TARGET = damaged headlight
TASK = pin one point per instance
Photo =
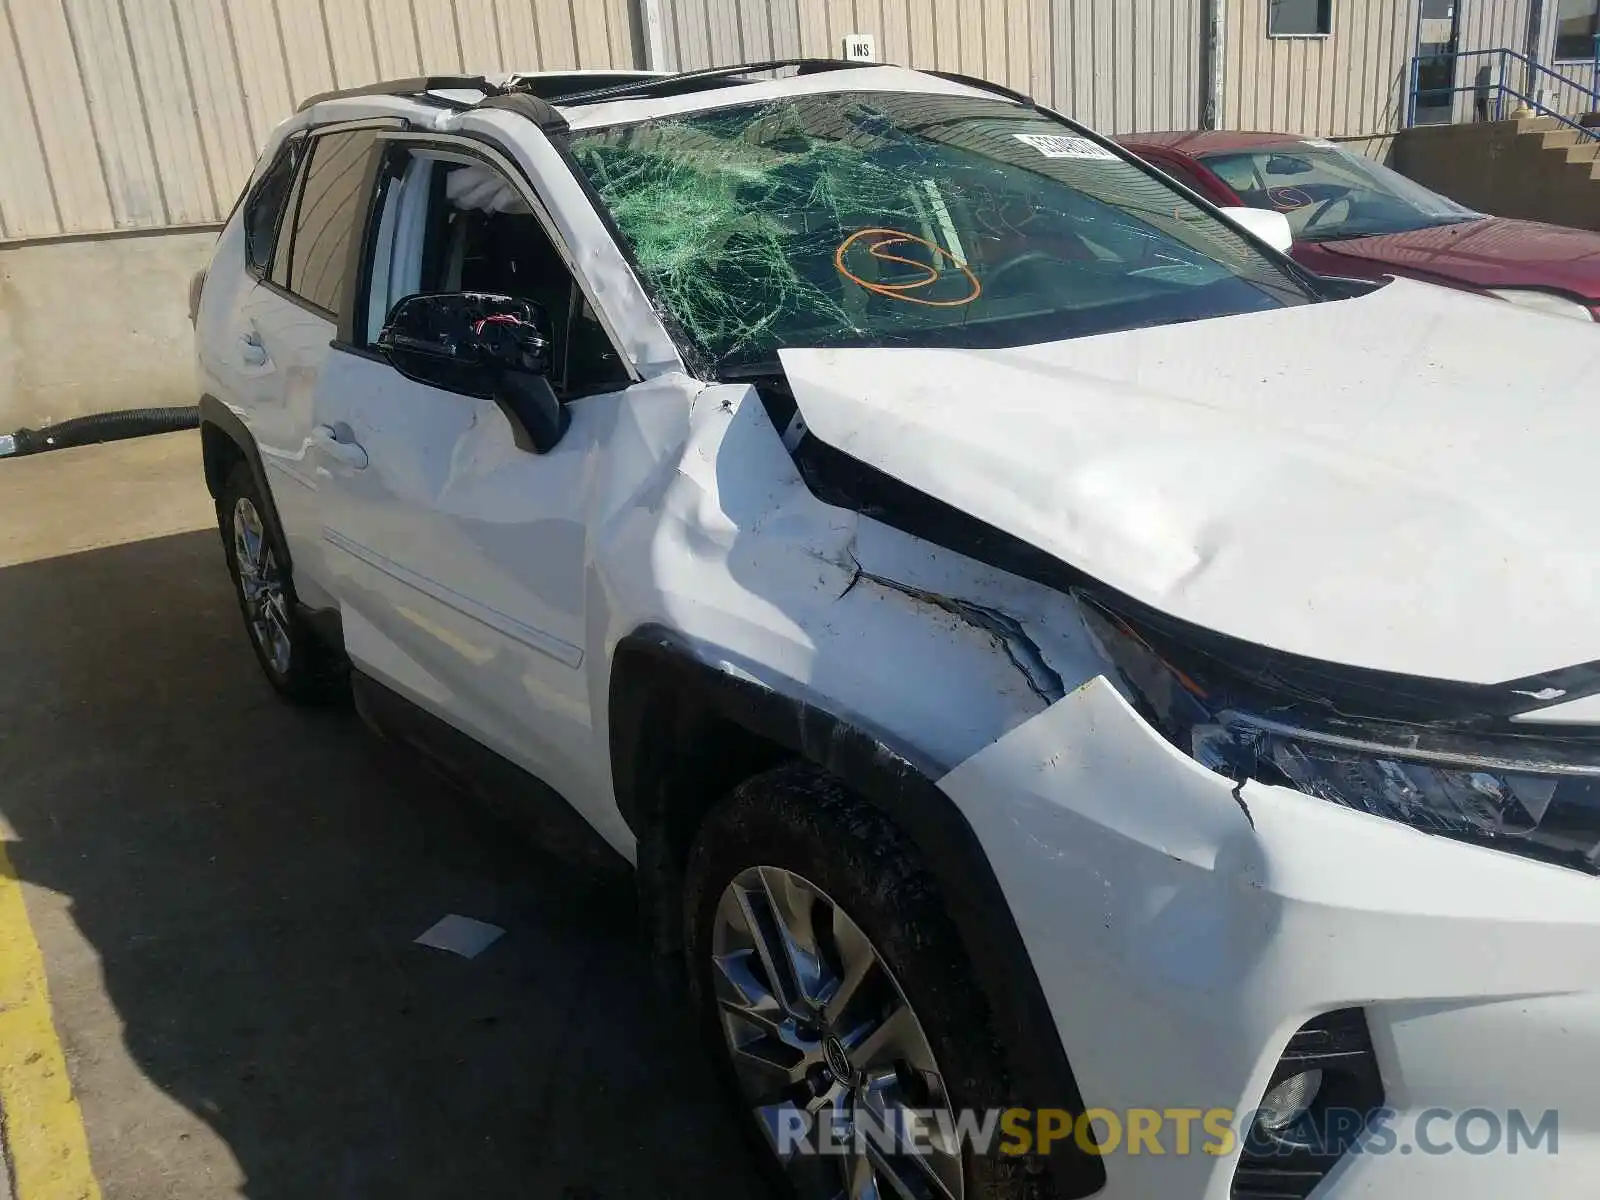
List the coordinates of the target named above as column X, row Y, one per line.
column 1520, row 806
column 1492, row 788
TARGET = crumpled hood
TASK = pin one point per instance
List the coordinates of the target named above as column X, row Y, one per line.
column 1407, row 481
column 1493, row 252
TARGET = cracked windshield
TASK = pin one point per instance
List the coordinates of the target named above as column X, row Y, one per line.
column 893, row 219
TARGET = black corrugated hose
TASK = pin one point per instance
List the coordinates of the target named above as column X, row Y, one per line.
column 99, row 427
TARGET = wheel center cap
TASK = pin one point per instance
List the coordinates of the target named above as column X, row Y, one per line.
column 839, row 1065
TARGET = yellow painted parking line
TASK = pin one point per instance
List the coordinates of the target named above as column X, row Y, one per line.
column 43, row 1125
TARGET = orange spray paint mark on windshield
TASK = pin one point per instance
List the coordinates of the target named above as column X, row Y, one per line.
column 902, row 291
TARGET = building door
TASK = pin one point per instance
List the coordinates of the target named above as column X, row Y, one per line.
column 1438, row 43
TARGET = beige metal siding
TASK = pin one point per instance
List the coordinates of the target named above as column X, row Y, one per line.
column 1574, row 97
column 1577, row 95
column 1120, row 65
column 1129, row 66
column 1355, row 81
column 1350, row 83
column 1492, row 25
column 132, row 114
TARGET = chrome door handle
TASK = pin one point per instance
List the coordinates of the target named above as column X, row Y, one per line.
column 338, row 444
column 251, row 352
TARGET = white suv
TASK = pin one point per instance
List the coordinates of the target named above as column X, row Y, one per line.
column 1091, row 705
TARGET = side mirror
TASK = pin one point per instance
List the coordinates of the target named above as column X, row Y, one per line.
column 1273, row 228
column 483, row 345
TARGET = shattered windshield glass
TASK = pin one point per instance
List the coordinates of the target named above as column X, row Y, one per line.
column 898, row 219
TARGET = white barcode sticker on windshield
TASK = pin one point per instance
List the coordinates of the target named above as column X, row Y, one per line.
column 1059, row 145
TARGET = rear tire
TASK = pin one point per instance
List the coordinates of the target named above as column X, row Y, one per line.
column 298, row 664
column 842, row 882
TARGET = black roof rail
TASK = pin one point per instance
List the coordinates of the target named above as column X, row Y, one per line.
column 984, row 85
column 538, row 110
column 415, row 88
column 424, row 87
column 555, row 86
column 688, row 81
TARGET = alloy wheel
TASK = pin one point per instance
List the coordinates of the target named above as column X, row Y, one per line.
column 820, row 1034
column 262, row 585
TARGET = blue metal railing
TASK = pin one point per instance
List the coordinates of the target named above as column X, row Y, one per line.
column 1499, row 89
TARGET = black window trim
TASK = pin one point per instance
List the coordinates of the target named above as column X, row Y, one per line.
column 481, row 149
column 248, row 197
column 316, row 310
column 310, row 134
column 283, row 242
column 358, row 277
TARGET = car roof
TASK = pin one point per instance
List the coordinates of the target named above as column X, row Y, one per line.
column 1194, row 143
column 591, row 99
column 462, row 91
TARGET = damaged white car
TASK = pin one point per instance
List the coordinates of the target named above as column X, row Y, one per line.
column 1094, row 708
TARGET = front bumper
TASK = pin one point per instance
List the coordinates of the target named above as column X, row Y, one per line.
column 1182, row 933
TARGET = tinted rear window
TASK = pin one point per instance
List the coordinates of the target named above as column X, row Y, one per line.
column 333, row 204
column 263, row 212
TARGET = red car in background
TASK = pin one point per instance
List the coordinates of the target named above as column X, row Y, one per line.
column 1354, row 217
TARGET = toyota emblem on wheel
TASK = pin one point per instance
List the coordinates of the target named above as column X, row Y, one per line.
column 838, row 1061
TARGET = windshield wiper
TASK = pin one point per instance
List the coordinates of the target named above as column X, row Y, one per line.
column 1350, row 235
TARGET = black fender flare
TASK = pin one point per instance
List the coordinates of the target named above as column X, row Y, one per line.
column 655, row 665
column 218, row 420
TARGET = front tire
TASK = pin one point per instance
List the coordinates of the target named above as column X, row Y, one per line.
column 295, row 662
column 828, row 976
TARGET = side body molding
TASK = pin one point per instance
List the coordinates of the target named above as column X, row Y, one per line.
column 663, row 690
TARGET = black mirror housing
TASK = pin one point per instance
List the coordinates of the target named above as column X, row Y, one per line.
column 496, row 347
column 464, row 340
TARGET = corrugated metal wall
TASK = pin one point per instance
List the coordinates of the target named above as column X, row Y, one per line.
column 128, row 114
column 1120, row 65
column 1348, row 84
column 1353, row 82
column 1127, row 66
column 1491, row 25
column 1574, row 97
column 1577, row 95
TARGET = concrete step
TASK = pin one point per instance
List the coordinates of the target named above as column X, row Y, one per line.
column 1511, row 168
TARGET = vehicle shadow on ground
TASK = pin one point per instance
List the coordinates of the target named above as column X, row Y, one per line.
column 251, row 878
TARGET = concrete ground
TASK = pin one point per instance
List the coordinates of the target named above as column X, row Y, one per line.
column 225, row 891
